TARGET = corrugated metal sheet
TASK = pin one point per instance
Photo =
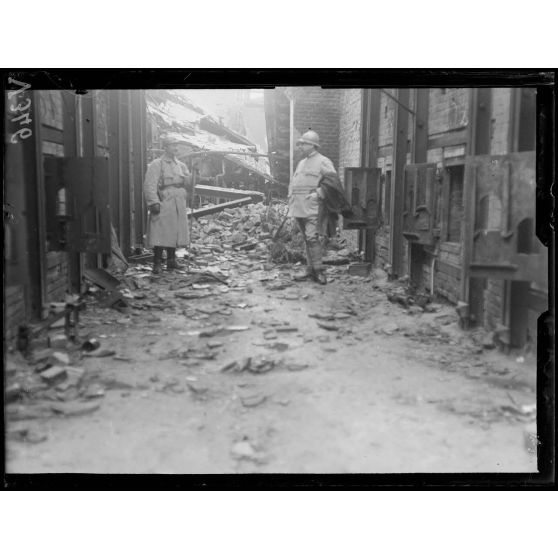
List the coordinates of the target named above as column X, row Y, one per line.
column 185, row 121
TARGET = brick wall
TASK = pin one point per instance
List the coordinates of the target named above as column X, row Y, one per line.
column 350, row 123
column 57, row 276
column 387, row 115
column 14, row 311
column 382, row 247
column 493, row 303
column 448, row 110
column 318, row 109
column 447, row 277
column 500, row 120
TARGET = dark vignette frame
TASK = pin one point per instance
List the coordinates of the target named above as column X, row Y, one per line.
column 81, row 80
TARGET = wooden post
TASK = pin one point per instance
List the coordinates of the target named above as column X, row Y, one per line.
column 480, row 100
column 374, row 98
column 470, row 197
column 70, row 150
column 364, row 132
column 114, row 159
column 139, row 163
column 291, row 138
column 369, row 156
column 400, row 133
column 126, row 183
column 89, row 127
column 35, row 207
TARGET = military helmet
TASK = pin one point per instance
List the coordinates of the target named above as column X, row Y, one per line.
column 310, row 137
column 169, row 139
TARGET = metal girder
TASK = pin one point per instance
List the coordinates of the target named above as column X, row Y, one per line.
column 228, row 193
column 196, row 213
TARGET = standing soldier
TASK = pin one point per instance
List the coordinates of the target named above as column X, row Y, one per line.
column 165, row 186
column 304, row 202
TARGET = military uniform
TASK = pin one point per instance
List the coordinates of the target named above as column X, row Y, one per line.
column 304, row 204
column 165, row 184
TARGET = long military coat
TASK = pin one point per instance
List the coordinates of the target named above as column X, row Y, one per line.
column 165, row 183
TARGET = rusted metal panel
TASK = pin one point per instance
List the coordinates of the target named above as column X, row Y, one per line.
column 362, row 187
column 504, row 244
column 421, row 204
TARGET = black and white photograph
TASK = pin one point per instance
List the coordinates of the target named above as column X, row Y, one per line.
column 283, row 278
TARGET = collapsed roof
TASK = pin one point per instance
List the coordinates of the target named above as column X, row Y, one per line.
column 176, row 113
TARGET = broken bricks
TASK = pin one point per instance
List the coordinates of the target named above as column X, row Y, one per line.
column 54, row 374
column 75, row 409
column 244, row 450
column 255, row 365
column 25, row 434
column 253, row 400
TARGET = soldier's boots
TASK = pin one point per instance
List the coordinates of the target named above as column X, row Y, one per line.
column 315, row 250
column 157, row 259
column 171, row 260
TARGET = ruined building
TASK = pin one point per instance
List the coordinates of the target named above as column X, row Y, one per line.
column 443, row 183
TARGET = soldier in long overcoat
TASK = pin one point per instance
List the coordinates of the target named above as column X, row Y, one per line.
column 165, row 189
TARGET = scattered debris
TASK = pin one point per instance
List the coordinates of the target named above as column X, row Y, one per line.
column 54, row 374
column 296, row 367
column 530, row 438
column 327, row 326
column 278, row 346
column 57, row 341
column 244, row 450
column 488, row 341
column 91, row 345
column 75, row 409
column 17, row 412
column 197, row 388
column 26, row 434
column 390, row 329
column 253, row 400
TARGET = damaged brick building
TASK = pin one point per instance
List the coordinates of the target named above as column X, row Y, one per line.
column 73, row 192
column 75, row 165
column 444, row 179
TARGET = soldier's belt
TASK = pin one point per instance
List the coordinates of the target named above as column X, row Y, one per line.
column 162, row 187
column 303, row 190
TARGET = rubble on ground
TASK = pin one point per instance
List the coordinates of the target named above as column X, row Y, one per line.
column 231, row 252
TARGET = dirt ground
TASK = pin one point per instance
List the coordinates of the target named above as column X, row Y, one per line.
column 315, row 379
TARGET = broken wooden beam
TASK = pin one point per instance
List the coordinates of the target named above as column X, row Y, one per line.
column 228, row 193
column 196, row 213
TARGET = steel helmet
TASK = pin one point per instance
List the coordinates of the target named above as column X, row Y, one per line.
column 169, row 139
column 310, row 137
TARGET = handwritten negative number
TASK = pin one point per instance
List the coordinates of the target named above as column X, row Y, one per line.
column 22, row 118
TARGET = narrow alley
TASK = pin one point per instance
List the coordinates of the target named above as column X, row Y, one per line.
column 296, row 279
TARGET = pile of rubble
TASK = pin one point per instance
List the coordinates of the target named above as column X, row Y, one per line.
column 416, row 301
column 249, row 227
column 49, row 381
